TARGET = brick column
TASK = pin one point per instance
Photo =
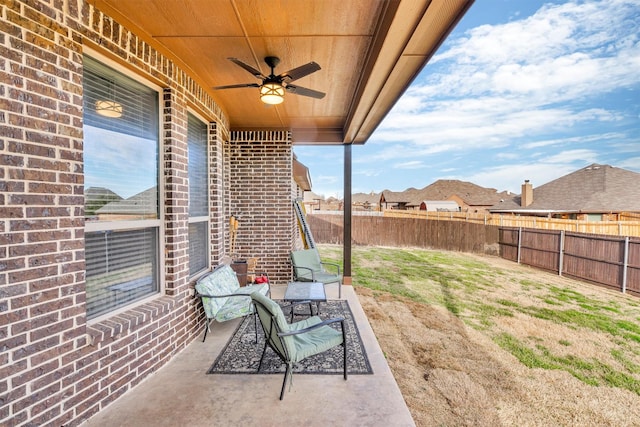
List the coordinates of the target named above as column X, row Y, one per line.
column 260, row 163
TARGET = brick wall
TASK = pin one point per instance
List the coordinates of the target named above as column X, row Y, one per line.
column 55, row 367
column 260, row 170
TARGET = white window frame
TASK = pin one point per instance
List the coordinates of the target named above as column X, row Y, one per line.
column 205, row 218
column 158, row 223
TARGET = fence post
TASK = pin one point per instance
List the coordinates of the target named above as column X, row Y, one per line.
column 561, row 254
column 625, row 264
column 519, row 242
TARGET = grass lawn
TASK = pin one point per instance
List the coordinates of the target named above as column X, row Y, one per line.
column 557, row 333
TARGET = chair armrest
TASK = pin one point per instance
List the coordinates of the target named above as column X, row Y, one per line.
column 295, row 267
column 333, row 264
column 316, row 326
column 199, row 295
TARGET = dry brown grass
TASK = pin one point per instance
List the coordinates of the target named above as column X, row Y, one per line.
column 441, row 336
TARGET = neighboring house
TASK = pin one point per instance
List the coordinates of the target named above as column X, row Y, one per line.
column 97, row 197
column 138, row 206
column 469, row 197
column 365, row 201
column 394, row 200
column 439, row 206
column 595, row 193
column 312, row 201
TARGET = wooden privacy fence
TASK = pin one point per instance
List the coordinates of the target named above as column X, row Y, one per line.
column 385, row 231
column 613, row 262
column 629, row 227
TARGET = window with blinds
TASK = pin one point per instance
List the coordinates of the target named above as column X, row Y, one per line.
column 197, row 136
column 122, row 220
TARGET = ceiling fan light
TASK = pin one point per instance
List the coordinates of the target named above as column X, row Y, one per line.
column 109, row 108
column 272, row 93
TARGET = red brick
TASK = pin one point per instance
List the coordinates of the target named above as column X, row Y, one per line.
column 32, row 323
column 52, row 305
column 28, row 350
column 31, row 299
column 64, row 419
column 50, row 374
column 29, row 375
column 8, row 159
column 46, row 236
column 27, row 199
column 13, row 395
column 55, row 352
column 50, row 329
column 33, row 224
column 50, row 282
column 24, row 250
column 86, row 405
column 34, row 397
column 12, row 264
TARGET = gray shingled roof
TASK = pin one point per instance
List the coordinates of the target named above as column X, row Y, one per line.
column 371, row 198
column 442, row 189
column 145, row 202
column 595, row 188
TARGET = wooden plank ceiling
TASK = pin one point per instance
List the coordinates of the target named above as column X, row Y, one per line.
column 369, row 52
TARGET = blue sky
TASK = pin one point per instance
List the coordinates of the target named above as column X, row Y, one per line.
column 521, row 89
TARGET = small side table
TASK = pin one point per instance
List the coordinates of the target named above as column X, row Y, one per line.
column 306, row 291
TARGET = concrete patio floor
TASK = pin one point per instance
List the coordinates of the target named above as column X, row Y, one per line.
column 181, row 394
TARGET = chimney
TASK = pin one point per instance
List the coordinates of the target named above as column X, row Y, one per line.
column 526, row 198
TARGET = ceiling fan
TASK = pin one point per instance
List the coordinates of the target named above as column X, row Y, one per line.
column 273, row 87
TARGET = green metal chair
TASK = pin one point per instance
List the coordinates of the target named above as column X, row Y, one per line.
column 307, row 267
column 296, row 341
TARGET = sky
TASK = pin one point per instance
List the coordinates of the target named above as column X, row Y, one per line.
column 521, row 89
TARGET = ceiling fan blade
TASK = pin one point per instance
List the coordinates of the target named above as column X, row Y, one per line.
column 298, row 90
column 299, row 72
column 238, row 85
column 247, row 67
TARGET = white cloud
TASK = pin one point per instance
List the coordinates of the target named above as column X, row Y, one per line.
column 632, row 163
column 565, row 157
column 520, row 75
column 327, row 179
column 510, row 177
column 413, row 164
column 535, row 98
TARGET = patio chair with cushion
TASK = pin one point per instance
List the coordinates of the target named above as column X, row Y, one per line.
column 307, row 267
column 224, row 299
column 296, row 341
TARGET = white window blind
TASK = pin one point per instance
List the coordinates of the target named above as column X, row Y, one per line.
column 197, row 136
column 121, row 268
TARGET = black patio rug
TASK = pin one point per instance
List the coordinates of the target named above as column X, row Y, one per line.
column 241, row 355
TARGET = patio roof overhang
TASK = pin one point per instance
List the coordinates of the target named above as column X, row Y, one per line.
column 301, row 175
column 369, row 51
